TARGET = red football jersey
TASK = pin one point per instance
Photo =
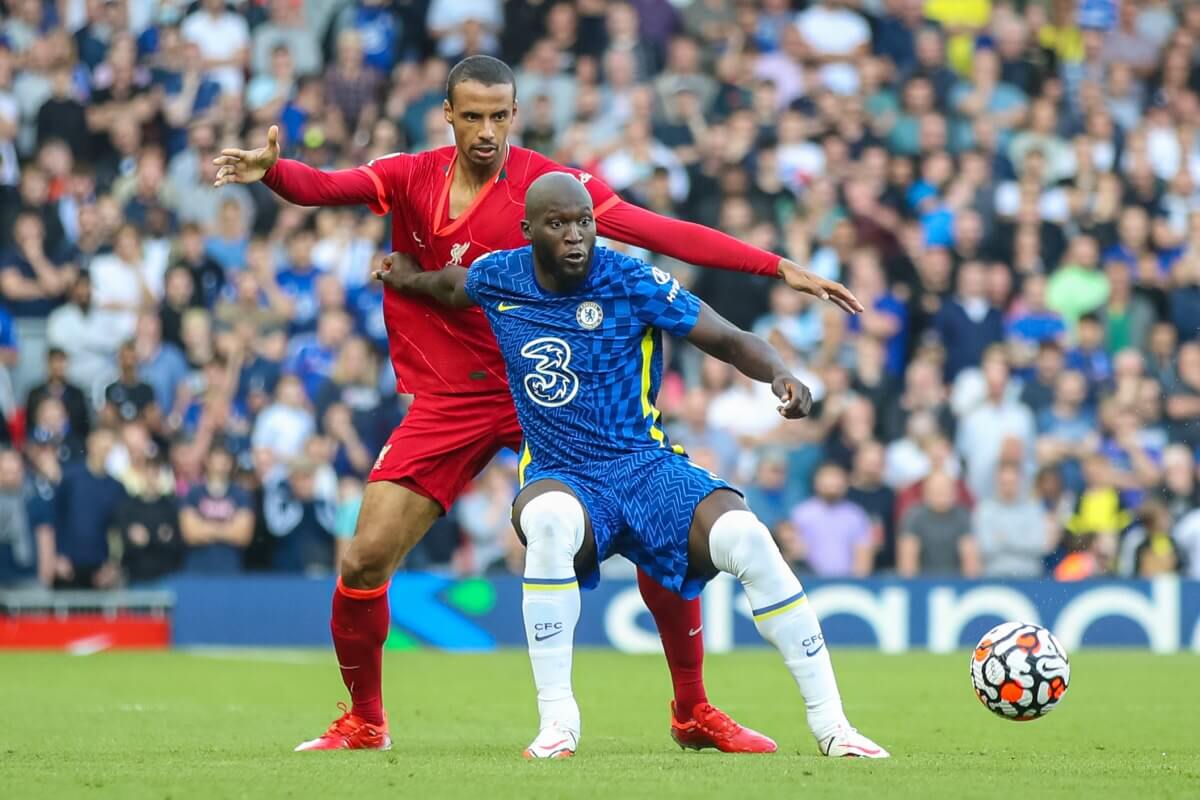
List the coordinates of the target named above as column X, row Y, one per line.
column 435, row 349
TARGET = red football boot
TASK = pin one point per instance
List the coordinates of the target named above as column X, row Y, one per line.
column 349, row 732
column 710, row 727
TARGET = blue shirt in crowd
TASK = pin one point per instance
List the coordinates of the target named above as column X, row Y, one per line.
column 87, row 505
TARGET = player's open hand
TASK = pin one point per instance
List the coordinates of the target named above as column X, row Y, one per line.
column 247, row 166
column 397, row 271
column 794, row 397
column 803, row 280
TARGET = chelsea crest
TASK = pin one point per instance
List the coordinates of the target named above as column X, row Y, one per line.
column 589, row 315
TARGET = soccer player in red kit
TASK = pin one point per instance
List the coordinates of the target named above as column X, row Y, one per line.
column 450, row 206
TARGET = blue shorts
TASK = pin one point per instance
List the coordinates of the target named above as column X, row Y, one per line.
column 641, row 506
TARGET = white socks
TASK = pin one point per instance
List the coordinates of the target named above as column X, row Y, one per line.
column 742, row 546
column 553, row 528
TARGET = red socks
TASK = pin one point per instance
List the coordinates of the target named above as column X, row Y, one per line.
column 360, row 625
column 679, row 623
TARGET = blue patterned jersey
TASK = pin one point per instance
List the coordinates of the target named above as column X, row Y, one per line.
column 584, row 367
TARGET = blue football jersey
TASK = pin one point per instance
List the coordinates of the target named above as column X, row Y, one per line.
column 584, row 368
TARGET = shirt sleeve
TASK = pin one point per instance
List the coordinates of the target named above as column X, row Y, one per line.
column 658, row 300
column 603, row 197
column 373, row 184
column 683, row 241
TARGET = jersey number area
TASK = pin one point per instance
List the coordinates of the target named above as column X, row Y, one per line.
column 552, row 383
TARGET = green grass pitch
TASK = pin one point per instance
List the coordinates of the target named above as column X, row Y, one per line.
column 187, row 725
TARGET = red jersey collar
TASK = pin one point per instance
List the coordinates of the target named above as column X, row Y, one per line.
column 443, row 208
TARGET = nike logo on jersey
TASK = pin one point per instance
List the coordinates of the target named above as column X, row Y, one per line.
column 538, row 637
column 507, row 306
column 694, row 631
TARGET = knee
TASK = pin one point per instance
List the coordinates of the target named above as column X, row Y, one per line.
column 365, row 567
column 735, row 537
column 553, row 523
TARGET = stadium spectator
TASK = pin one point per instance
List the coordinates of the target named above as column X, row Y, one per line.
column 835, row 37
column 1187, row 538
column 1011, row 528
column 130, row 398
column 1185, row 296
column 23, row 527
column 1180, row 489
column 1147, row 548
column 160, row 364
column 286, row 424
column 485, row 517
column 1037, row 391
column 1067, row 429
column 833, row 533
column 216, row 519
column 148, row 519
column 57, row 386
column 1077, row 286
column 302, row 518
column 770, row 493
column 869, row 492
column 968, row 324
column 1032, row 324
column 999, row 421
column 353, row 412
column 312, row 355
column 286, row 28
column 120, row 290
column 1090, row 356
column 223, row 39
column 935, row 536
column 1183, row 397
column 88, row 500
column 32, row 282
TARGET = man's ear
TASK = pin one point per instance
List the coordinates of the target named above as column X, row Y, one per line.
column 526, row 230
column 448, row 111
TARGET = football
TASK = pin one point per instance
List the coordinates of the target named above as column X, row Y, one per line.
column 1020, row 671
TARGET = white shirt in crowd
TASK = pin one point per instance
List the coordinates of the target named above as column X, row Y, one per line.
column 980, row 436
column 219, row 37
column 1187, row 537
column 283, row 430
column 115, row 282
column 835, row 31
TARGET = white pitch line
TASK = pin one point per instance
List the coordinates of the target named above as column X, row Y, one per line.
column 260, row 655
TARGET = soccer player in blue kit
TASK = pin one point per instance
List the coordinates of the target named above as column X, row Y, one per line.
column 580, row 329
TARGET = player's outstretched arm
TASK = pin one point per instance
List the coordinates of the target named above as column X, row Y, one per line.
column 753, row 357
column 697, row 244
column 294, row 181
column 446, row 285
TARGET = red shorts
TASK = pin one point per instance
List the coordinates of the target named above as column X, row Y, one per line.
column 445, row 441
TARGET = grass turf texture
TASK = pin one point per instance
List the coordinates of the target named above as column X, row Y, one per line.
column 222, row 725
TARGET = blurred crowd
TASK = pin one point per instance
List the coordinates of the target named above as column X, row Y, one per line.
column 196, row 379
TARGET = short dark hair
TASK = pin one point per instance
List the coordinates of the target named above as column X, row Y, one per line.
column 481, row 69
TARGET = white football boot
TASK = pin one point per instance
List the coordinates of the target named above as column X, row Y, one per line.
column 553, row 741
column 849, row 743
